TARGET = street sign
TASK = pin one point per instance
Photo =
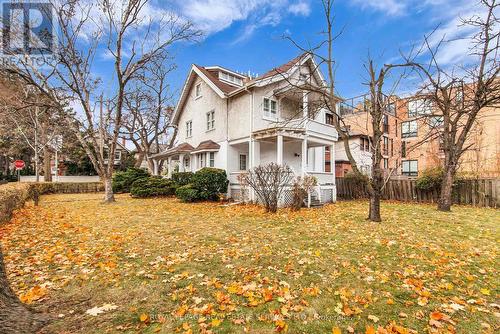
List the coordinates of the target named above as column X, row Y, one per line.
column 19, row 164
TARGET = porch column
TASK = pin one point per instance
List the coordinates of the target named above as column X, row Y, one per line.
column 169, row 164
column 181, row 163
column 279, row 150
column 155, row 167
column 254, row 153
column 305, row 103
column 332, row 161
column 304, row 156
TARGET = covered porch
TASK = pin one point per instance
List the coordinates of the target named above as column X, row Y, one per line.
column 305, row 154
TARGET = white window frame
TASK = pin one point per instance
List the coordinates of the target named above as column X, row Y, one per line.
column 119, row 152
column 197, row 91
column 268, row 111
column 239, row 161
column 211, row 159
column 201, row 160
column 210, row 120
column 187, row 163
column 189, row 129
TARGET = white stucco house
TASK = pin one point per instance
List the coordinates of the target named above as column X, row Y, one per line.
column 232, row 121
column 359, row 145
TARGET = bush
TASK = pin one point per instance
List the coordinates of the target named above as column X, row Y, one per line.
column 210, row 183
column 151, row 187
column 182, row 178
column 359, row 184
column 430, row 179
column 187, row 193
column 122, row 181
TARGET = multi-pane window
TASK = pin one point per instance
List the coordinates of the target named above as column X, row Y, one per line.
column 186, row 163
column 386, row 146
column 201, row 160
column 243, row 162
column 391, row 108
column 403, row 149
column 189, row 129
column 419, row 107
column 198, row 90
column 409, row 167
column 270, row 107
column 230, row 78
column 409, row 129
column 436, row 121
column 211, row 120
column 385, row 162
column 385, row 120
column 211, row 159
column 329, row 119
column 364, row 144
column 118, row 155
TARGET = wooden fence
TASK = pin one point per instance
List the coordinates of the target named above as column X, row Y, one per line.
column 478, row 192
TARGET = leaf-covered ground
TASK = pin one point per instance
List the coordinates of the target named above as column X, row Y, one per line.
column 160, row 266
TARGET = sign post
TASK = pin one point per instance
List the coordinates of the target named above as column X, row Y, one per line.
column 19, row 164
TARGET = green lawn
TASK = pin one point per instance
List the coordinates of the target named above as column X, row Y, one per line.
column 160, row 266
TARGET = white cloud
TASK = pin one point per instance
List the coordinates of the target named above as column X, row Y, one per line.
column 212, row 16
column 300, row 8
column 390, row 7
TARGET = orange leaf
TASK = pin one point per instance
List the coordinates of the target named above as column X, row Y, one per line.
column 370, row 330
column 336, row 330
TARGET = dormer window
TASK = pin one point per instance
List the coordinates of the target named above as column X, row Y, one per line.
column 230, row 78
column 197, row 91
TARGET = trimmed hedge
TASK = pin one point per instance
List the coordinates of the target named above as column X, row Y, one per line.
column 12, row 197
column 187, row 193
column 122, row 181
column 182, row 178
column 152, row 186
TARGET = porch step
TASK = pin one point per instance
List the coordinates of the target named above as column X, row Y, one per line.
column 315, row 202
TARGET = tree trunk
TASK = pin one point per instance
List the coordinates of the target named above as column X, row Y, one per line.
column 374, row 213
column 140, row 158
column 15, row 317
column 109, row 196
column 47, row 172
column 444, row 203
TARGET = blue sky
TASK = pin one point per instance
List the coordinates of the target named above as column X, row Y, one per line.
column 246, row 35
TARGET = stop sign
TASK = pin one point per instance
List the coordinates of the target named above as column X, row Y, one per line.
column 19, row 164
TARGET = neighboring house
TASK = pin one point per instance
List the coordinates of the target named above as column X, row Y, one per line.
column 357, row 119
column 359, row 146
column 232, row 121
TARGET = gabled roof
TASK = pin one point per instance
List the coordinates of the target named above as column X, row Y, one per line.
column 226, row 88
column 283, row 68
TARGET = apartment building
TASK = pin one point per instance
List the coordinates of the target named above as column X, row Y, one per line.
column 411, row 141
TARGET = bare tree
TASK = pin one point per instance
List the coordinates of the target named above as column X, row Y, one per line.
column 375, row 104
column 24, row 109
column 147, row 113
column 269, row 182
column 459, row 94
column 131, row 39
